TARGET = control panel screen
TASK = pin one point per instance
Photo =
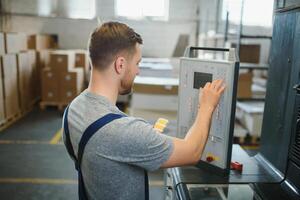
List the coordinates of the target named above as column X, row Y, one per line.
column 200, row 79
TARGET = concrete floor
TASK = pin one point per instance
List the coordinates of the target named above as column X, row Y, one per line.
column 34, row 163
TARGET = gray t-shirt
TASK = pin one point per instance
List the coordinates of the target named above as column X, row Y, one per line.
column 115, row 158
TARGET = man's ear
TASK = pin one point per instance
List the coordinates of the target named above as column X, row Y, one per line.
column 120, row 65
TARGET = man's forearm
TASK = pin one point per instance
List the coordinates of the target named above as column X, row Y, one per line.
column 189, row 150
column 198, row 133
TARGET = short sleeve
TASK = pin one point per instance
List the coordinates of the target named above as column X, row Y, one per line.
column 135, row 142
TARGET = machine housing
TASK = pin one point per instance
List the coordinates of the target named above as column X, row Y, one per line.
column 194, row 74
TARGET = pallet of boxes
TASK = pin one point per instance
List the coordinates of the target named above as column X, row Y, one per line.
column 250, row 104
column 82, row 61
column 42, row 44
column 18, row 76
column 61, row 80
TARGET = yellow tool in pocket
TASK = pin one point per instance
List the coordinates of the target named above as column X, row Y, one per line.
column 161, row 124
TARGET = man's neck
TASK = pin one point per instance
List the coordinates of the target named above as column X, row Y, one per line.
column 101, row 85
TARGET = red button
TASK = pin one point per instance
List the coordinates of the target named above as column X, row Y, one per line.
column 209, row 159
column 236, row 166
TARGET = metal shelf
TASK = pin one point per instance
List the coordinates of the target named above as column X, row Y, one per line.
column 261, row 66
column 251, row 99
column 256, row 36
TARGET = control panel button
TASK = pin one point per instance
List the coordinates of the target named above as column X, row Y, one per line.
column 209, row 159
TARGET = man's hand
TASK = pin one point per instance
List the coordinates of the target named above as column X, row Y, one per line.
column 188, row 151
column 210, row 95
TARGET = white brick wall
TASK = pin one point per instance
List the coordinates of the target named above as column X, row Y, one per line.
column 159, row 37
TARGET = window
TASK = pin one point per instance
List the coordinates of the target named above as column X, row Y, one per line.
column 45, row 7
column 255, row 13
column 30, row 7
column 139, row 9
column 78, row 9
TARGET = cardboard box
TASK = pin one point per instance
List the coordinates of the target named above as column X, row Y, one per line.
column 31, row 42
column 249, row 53
column 24, row 71
column 35, row 84
column 50, row 85
column 22, row 42
column 155, row 89
column 250, row 115
column 244, row 85
column 155, row 85
column 81, row 58
column 43, row 58
column 12, row 42
column 62, row 61
column 27, row 79
column 2, row 44
column 82, row 61
column 239, row 130
column 42, row 41
column 15, row 42
column 10, row 85
column 71, row 84
column 2, row 107
column 72, row 78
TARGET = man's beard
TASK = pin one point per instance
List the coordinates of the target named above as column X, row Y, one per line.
column 126, row 87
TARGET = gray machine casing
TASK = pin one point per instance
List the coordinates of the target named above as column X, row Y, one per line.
column 192, row 70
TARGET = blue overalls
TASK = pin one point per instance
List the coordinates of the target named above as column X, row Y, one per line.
column 88, row 133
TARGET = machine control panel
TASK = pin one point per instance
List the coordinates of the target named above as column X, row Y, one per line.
column 194, row 74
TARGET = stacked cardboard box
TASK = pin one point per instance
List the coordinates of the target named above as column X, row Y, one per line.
column 249, row 53
column 61, row 81
column 2, row 107
column 42, row 44
column 27, row 79
column 42, row 60
column 42, row 41
column 34, row 81
column 72, row 85
column 23, row 46
column 11, row 97
column 50, row 85
column 16, row 70
column 250, row 115
column 24, row 71
column 82, row 61
column 244, row 84
column 10, row 45
column 20, row 67
column 2, row 44
column 15, row 42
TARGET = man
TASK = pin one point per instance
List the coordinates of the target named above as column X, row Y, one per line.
column 117, row 155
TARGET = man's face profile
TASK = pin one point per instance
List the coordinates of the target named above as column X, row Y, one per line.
column 132, row 69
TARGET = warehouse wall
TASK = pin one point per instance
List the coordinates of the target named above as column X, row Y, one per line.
column 72, row 33
column 159, row 37
column 208, row 22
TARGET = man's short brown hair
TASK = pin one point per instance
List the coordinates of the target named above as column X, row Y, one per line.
column 110, row 39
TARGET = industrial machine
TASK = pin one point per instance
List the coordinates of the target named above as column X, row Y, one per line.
column 280, row 140
column 194, row 74
column 274, row 173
